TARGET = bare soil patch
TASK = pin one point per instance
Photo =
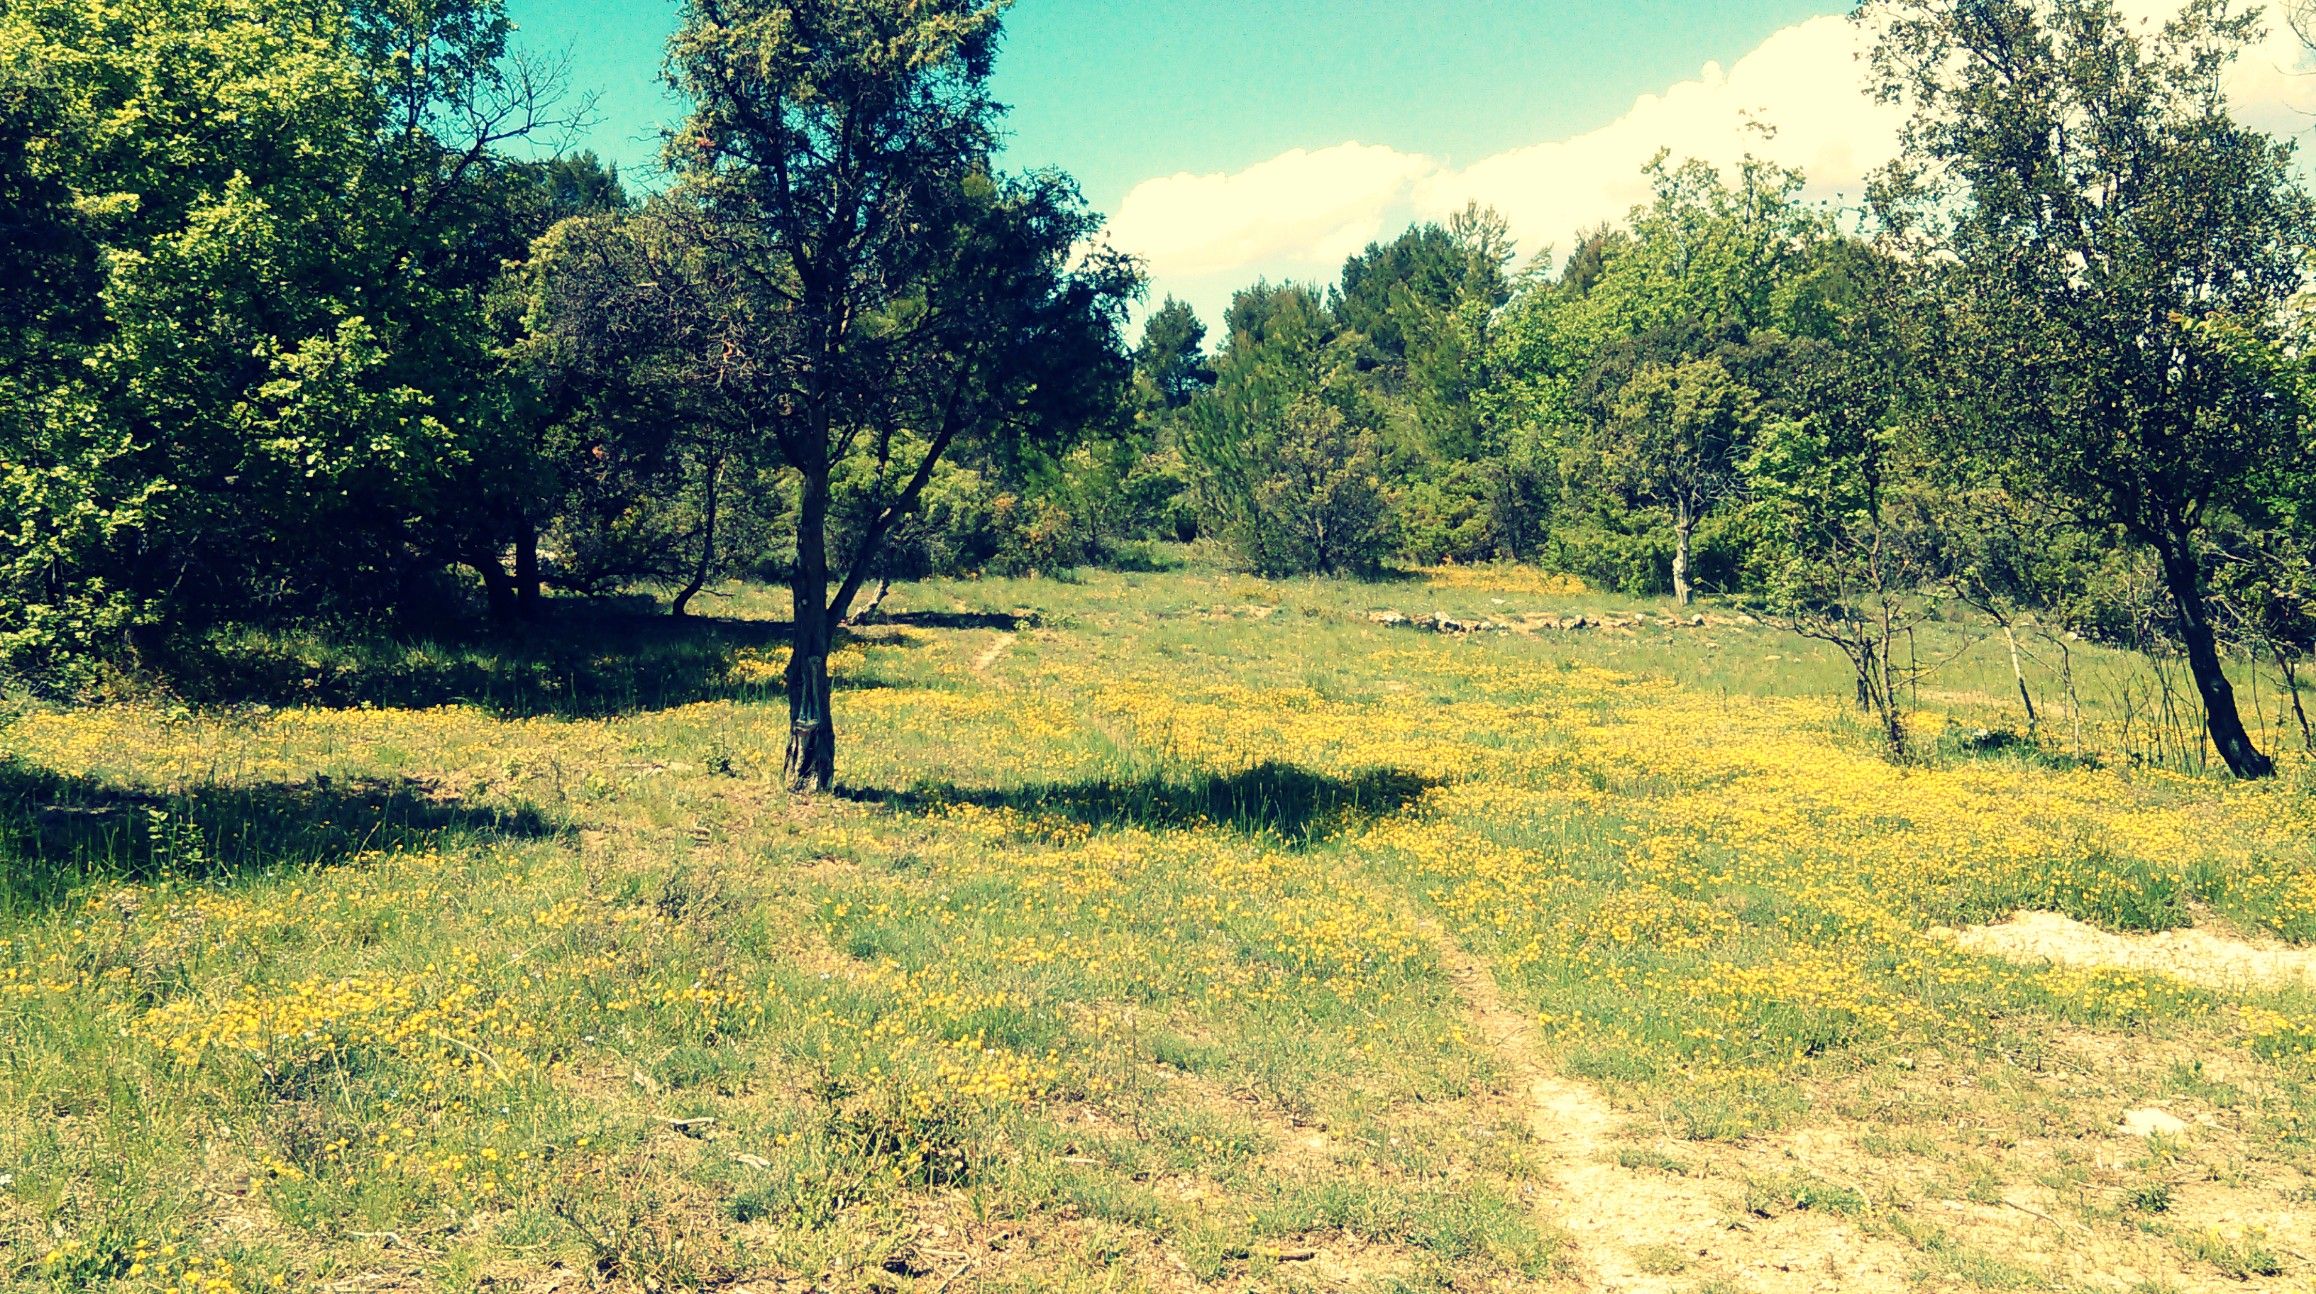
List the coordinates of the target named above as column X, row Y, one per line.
column 2193, row 954
column 1642, row 1232
column 990, row 656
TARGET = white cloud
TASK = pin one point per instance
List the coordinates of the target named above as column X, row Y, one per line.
column 1296, row 205
column 1799, row 99
column 1301, row 213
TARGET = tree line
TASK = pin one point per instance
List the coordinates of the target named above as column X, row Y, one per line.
column 2057, row 364
column 297, row 327
column 303, row 314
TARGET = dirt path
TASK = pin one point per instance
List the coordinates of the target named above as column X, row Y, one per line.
column 1640, row 1231
column 990, row 657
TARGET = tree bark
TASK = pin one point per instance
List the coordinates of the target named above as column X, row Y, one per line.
column 2291, row 670
column 2184, row 579
column 527, row 595
column 498, row 589
column 811, row 762
column 707, row 563
column 1684, row 528
column 2018, row 672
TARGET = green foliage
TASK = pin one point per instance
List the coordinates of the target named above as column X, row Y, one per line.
column 1648, row 363
column 1283, row 474
column 1170, row 362
column 1841, row 553
column 2091, row 208
column 259, row 379
column 878, row 296
column 1314, row 497
column 1399, row 352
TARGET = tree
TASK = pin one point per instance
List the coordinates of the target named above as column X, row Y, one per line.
column 1429, row 270
column 215, row 375
column 1836, row 492
column 1171, row 358
column 1676, row 437
column 1317, row 503
column 56, row 452
column 263, row 368
column 634, row 344
column 1644, row 367
column 1841, row 559
column 1282, row 451
column 1708, row 251
column 895, row 296
column 2094, row 205
column 2264, row 576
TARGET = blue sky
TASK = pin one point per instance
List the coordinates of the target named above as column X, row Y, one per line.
column 1234, row 139
column 1118, row 92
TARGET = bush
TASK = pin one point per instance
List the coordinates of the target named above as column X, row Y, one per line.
column 1632, row 552
column 1449, row 517
column 1310, row 498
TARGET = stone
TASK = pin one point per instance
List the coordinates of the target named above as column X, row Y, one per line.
column 2148, row 1122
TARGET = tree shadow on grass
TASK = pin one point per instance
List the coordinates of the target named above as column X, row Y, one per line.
column 1003, row 621
column 1272, row 799
column 576, row 664
column 59, row 833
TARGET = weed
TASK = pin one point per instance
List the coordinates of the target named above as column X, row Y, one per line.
column 2241, row 1256
column 506, row 955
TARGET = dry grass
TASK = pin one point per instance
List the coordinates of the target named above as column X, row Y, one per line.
column 1174, row 931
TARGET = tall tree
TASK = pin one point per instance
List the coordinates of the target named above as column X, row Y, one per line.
column 2096, row 207
column 265, row 349
column 1648, row 360
column 1281, row 455
column 899, row 295
column 1171, row 357
column 633, row 349
column 1677, row 434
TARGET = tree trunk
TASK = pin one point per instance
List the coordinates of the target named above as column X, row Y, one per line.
column 2291, row 670
column 1886, row 691
column 1877, row 691
column 2018, row 671
column 811, row 727
column 527, row 571
column 2184, row 579
column 498, row 589
column 1684, row 528
column 707, row 563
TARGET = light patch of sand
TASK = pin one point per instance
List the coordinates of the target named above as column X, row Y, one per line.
column 988, row 658
column 2194, row 955
column 1617, row 1216
column 2151, row 1122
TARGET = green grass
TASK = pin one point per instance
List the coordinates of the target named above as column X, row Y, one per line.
column 1116, row 962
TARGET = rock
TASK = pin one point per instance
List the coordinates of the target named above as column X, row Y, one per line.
column 2148, row 1122
column 1697, row 622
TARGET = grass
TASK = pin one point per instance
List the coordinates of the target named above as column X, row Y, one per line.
column 1118, row 962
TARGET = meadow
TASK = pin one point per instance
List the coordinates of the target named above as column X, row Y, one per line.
column 1170, row 930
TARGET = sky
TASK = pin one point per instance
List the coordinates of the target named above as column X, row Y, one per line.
column 1230, row 140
